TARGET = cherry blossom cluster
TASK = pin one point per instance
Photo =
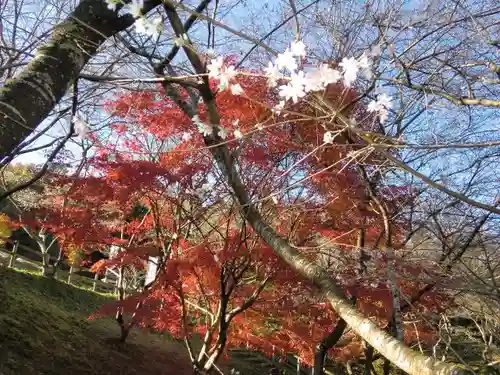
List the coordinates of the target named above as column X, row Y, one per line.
column 381, row 106
column 149, row 27
column 287, row 66
column 300, row 80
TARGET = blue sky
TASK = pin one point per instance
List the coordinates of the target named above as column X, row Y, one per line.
column 257, row 18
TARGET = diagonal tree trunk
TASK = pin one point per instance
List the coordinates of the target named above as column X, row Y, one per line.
column 397, row 352
column 405, row 358
column 28, row 98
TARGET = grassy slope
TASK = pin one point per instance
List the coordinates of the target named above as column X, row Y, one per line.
column 43, row 330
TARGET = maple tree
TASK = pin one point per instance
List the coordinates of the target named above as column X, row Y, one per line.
column 295, row 181
column 154, row 192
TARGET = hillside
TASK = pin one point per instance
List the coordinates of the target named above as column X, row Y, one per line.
column 44, row 330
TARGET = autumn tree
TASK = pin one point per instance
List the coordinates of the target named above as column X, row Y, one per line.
column 153, row 140
column 426, row 77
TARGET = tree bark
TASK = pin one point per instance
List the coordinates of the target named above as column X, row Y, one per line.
column 368, row 359
column 327, row 343
column 28, row 98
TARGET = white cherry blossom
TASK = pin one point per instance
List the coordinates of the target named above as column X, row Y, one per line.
column 329, row 75
column 381, row 107
column 373, row 106
column 186, row 136
column 135, row 8
column 298, row 49
column 140, row 25
column 328, row 137
column 226, row 75
column 149, row 27
column 364, row 62
column 292, row 91
column 238, row 134
column 286, row 60
column 350, row 69
column 314, row 81
column 222, row 132
column 384, row 100
column 365, row 65
column 196, row 119
column 215, row 67
column 319, row 78
column 205, row 129
column 273, row 74
column 81, row 128
column 278, row 107
column 383, row 115
column 112, row 4
column 298, row 79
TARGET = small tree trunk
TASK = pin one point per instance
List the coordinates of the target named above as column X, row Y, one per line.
column 124, row 331
column 55, row 267
column 369, row 358
column 46, row 271
column 327, row 343
column 13, row 254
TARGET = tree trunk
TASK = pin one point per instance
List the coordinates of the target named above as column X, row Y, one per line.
column 368, row 358
column 70, row 274
column 28, row 98
column 96, row 279
column 327, row 343
column 46, row 269
column 396, row 351
column 124, row 331
column 57, row 263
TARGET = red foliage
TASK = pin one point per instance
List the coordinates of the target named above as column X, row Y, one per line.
column 320, row 207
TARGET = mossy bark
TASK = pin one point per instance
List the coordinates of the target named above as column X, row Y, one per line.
column 27, row 99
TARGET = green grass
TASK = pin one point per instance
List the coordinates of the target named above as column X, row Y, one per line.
column 44, row 330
